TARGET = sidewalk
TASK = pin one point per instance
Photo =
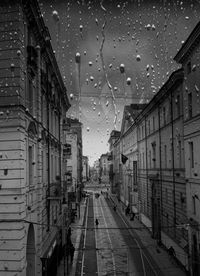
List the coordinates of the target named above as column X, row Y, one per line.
column 75, row 238
column 167, row 264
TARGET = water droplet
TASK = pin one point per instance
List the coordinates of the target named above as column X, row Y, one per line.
column 55, row 15
column 122, row 68
column 128, row 81
column 138, row 57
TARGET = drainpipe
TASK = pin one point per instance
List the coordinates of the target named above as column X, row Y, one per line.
column 173, row 173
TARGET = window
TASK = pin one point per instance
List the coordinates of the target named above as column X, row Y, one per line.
column 194, row 205
column 191, row 154
column 30, row 165
column 150, row 159
column 69, row 175
column 134, row 172
column 154, row 154
column 52, row 171
column 167, row 222
column 182, row 199
column 30, row 95
column 149, row 127
column 139, row 133
column 47, row 165
column 179, row 153
column 190, row 105
column 166, row 195
column 55, row 166
column 189, row 67
column 67, row 151
column 164, row 115
column 178, row 106
column 42, row 166
column 153, row 123
column 165, row 156
column 143, row 160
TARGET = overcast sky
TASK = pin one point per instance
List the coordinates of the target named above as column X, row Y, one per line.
column 141, row 37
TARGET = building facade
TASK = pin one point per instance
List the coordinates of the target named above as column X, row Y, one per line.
column 188, row 56
column 85, row 166
column 104, row 164
column 73, row 161
column 114, row 136
column 33, row 103
column 129, row 156
column 150, row 165
column 161, row 167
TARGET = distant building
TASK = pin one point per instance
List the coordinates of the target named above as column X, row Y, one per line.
column 114, row 136
column 129, row 156
column 33, row 103
column 189, row 56
column 73, row 156
column 96, row 170
column 85, row 166
column 104, row 168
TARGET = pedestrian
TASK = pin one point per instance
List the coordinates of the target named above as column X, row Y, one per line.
column 171, row 251
column 132, row 216
column 72, row 249
column 96, row 222
column 127, row 210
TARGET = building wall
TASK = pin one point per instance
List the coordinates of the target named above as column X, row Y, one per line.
column 72, row 162
column 156, row 141
column 25, row 178
column 12, row 175
column 191, row 107
column 117, row 181
column 104, row 168
column 129, row 149
column 85, row 166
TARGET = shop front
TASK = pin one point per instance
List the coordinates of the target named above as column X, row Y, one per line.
column 51, row 258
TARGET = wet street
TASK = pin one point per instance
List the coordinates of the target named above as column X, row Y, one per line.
column 112, row 247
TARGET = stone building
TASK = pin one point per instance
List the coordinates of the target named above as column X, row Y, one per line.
column 33, row 103
column 161, row 167
column 85, row 165
column 73, row 158
column 189, row 57
column 114, row 136
column 129, row 156
column 150, row 165
column 104, row 168
column 117, row 168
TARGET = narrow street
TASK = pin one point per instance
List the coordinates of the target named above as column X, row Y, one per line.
column 112, row 247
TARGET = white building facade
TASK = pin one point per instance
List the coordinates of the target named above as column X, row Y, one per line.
column 189, row 56
column 32, row 105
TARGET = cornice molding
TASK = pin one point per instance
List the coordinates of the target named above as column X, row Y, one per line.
column 189, row 45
